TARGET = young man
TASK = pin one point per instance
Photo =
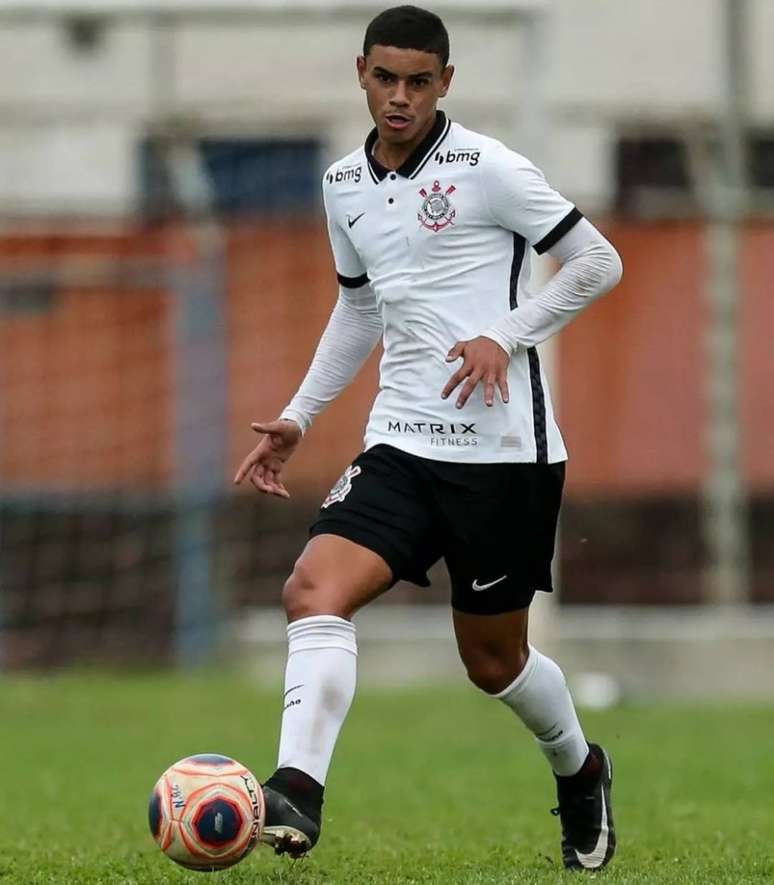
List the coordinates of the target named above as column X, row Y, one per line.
column 430, row 225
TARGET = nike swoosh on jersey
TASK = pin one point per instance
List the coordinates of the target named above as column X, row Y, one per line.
column 351, row 222
column 477, row 586
column 596, row 857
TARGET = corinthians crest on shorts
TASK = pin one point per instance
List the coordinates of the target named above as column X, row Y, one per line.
column 343, row 486
column 436, row 211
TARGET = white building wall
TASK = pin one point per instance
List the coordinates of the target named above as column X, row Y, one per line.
column 39, row 71
column 630, row 58
column 70, row 122
column 56, row 167
column 762, row 61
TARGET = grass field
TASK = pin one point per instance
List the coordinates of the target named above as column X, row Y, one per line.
column 428, row 786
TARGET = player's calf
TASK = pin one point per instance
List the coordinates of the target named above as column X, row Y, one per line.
column 491, row 671
column 493, row 648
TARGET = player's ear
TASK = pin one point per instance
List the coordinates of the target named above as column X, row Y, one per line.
column 446, row 77
column 361, row 65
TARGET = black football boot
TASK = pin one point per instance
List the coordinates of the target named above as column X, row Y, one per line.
column 588, row 832
column 293, row 812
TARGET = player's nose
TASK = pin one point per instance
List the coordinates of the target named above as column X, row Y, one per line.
column 399, row 98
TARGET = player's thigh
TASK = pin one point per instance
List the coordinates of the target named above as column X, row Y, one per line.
column 334, row 576
column 374, row 528
column 500, row 526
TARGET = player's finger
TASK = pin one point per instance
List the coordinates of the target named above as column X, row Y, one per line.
column 489, row 389
column 267, row 426
column 248, row 474
column 502, row 383
column 467, row 388
column 456, row 379
column 264, row 481
column 258, row 475
column 245, row 467
column 272, row 481
column 272, row 477
column 456, row 351
column 280, row 489
column 256, row 478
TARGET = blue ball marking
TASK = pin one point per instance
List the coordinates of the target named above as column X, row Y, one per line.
column 210, row 759
column 218, row 823
column 154, row 813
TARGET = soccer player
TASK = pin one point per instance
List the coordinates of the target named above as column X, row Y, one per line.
column 431, row 226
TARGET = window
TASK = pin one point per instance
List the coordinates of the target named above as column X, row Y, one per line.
column 230, row 175
column 654, row 177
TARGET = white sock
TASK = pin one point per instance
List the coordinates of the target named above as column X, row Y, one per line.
column 319, row 686
column 540, row 698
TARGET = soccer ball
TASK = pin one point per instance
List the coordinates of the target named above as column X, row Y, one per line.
column 206, row 812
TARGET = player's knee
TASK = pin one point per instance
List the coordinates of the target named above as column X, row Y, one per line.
column 304, row 596
column 298, row 594
column 493, row 670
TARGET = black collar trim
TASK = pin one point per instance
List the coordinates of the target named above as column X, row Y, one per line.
column 422, row 153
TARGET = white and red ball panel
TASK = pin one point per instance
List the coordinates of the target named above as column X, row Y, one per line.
column 208, row 764
column 206, row 812
column 160, row 815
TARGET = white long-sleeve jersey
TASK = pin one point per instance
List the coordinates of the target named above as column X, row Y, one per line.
column 437, row 252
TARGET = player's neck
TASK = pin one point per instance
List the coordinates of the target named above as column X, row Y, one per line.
column 393, row 156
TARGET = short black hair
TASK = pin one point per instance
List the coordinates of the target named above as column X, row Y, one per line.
column 409, row 27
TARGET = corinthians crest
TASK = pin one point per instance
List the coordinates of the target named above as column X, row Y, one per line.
column 343, row 486
column 437, row 211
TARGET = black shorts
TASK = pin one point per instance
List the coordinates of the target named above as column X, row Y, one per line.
column 493, row 524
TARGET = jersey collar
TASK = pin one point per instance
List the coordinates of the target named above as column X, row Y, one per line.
column 415, row 163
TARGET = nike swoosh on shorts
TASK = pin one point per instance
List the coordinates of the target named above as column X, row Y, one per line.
column 477, row 586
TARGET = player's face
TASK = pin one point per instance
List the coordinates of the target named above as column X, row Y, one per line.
column 402, row 88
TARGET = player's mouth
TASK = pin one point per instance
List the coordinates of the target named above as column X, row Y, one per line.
column 397, row 122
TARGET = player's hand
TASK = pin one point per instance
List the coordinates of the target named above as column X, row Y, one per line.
column 483, row 360
column 263, row 466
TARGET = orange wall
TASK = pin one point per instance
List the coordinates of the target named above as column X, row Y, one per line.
column 630, row 368
column 757, row 355
column 281, row 291
column 633, row 398
column 85, row 389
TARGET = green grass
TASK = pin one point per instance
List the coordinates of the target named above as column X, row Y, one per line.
column 428, row 786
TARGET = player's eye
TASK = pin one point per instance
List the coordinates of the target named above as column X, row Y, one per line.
column 420, row 82
column 384, row 78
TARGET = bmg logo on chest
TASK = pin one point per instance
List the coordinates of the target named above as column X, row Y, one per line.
column 460, row 155
column 347, row 173
column 437, row 211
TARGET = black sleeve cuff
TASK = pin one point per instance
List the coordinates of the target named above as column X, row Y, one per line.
column 564, row 227
column 352, row 282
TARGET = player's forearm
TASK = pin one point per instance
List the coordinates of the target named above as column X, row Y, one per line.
column 591, row 267
column 353, row 330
